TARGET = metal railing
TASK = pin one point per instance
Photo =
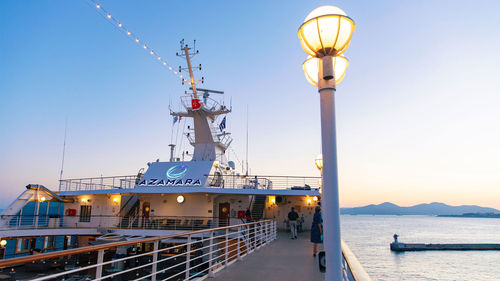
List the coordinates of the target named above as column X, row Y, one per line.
column 264, row 182
column 151, row 222
column 187, row 256
column 220, row 181
column 98, row 183
column 353, row 270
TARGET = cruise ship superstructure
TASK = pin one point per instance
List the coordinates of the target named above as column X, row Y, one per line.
column 178, row 220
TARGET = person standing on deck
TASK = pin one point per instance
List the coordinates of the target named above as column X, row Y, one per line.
column 317, row 230
column 292, row 221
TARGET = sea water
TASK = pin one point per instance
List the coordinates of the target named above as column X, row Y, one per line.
column 369, row 237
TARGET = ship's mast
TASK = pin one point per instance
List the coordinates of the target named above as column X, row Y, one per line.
column 187, row 55
column 188, row 59
column 210, row 141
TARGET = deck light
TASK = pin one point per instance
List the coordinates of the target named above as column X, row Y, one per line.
column 3, row 243
column 324, row 35
column 311, row 69
column 319, row 162
column 326, row 31
column 84, row 200
column 309, row 201
column 180, row 199
column 315, row 198
column 116, row 199
column 43, row 199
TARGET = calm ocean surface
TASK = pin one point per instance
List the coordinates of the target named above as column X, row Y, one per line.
column 369, row 238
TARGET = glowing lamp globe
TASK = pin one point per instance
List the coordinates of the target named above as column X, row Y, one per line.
column 319, row 162
column 312, row 64
column 326, row 31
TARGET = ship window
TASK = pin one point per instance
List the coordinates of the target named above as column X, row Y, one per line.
column 85, row 212
column 70, row 240
column 50, row 242
column 23, row 245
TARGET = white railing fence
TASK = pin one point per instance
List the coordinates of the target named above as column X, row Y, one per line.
column 187, row 256
column 234, row 180
column 139, row 222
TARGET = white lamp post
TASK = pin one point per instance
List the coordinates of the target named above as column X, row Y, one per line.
column 324, row 35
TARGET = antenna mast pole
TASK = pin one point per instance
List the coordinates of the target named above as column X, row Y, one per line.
column 247, row 143
column 188, row 59
column 64, row 149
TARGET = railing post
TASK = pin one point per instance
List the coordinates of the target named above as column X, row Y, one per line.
column 210, row 248
column 274, row 229
column 249, row 241
column 239, row 242
column 155, row 260
column 266, row 232
column 255, row 236
column 188, row 256
column 100, row 260
column 226, row 252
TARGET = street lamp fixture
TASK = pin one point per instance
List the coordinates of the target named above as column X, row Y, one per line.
column 311, row 69
column 319, row 162
column 325, row 35
column 326, row 31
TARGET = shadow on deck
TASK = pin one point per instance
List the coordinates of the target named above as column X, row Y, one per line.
column 283, row 259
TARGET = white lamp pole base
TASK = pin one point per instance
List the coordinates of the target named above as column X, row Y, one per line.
column 330, row 198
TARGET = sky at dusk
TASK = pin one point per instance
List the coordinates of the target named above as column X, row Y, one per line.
column 418, row 112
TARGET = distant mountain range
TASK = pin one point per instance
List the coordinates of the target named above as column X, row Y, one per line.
column 434, row 208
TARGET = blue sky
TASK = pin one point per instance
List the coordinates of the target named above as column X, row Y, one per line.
column 417, row 112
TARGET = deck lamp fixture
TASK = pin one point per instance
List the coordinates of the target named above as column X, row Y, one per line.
column 180, row 199
column 3, row 243
column 319, row 162
column 312, row 64
column 325, row 35
column 43, row 199
column 326, row 31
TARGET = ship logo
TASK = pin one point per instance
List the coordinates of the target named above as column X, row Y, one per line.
column 177, row 171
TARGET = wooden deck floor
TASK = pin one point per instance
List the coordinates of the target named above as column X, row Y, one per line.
column 284, row 259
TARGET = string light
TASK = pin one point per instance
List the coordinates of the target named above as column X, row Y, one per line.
column 118, row 24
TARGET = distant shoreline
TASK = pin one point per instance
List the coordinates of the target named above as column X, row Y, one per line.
column 473, row 215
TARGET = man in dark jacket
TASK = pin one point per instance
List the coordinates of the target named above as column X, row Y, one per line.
column 292, row 221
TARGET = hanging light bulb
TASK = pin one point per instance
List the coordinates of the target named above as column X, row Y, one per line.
column 128, row 32
column 109, row 16
column 151, row 52
column 164, row 63
column 145, row 47
column 98, row 6
column 120, row 24
column 136, row 39
column 159, row 58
